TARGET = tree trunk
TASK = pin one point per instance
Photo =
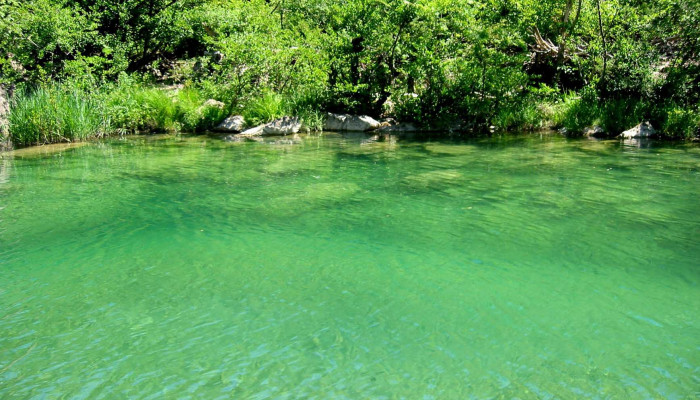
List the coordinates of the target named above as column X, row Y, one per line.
column 564, row 33
column 601, row 83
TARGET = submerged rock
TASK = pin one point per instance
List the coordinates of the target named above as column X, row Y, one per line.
column 234, row 123
column 47, row 149
column 347, row 122
column 298, row 162
column 283, row 126
column 642, row 130
column 287, row 141
column 450, row 149
column 434, row 179
column 311, row 197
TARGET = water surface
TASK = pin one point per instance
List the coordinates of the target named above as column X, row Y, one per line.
column 347, row 267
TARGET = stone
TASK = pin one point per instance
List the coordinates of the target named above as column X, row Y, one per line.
column 311, row 198
column 287, row 141
column 214, row 104
column 642, row 130
column 283, row 126
column 47, row 149
column 437, row 179
column 400, row 127
column 451, row 149
column 594, row 131
column 347, row 122
column 256, row 131
column 234, row 123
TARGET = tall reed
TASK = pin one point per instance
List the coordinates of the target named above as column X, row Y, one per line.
column 54, row 114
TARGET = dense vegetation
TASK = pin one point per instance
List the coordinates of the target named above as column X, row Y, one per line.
column 93, row 67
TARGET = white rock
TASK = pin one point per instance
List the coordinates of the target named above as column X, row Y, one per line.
column 347, row 122
column 642, row 130
column 257, row 131
column 234, row 123
column 283, row 126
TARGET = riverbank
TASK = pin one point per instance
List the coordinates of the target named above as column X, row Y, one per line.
column 64, row 113
column 89, row 70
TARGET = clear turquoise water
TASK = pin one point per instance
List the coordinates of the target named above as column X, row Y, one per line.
column 528, row 267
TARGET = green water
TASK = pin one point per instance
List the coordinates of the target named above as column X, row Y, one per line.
column 336, row 267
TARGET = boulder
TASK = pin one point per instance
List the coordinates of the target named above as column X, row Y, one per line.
column 234, row 123
column 642, row 130
column 282, row 126
column 257, row 131
column 347, row 122
column 594, row 131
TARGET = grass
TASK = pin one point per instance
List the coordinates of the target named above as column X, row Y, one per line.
column 60, row 113
column 64, row 113
column 269, row 106
column 678, row 122
column 54, row 114
column 521, row 117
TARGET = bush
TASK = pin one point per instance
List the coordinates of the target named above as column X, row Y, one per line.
column 618, row 115
column 133, row 106
column 192, row 114
column 576, row 113
column 680, row 123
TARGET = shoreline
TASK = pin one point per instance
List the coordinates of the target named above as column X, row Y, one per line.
column 418, row 135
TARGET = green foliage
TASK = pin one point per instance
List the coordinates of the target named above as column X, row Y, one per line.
column 618, row 115
column 54, row 114
column 193, row 114
column 578, row 113
column 433, row 62
column 677, row 122
column 521, row 117
column 265, row 108
column 133, row 106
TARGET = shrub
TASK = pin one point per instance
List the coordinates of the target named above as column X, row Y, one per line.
column 680, row 123
column 618, row 115
column 575, row 113
column 134, row 106
column 192, row 115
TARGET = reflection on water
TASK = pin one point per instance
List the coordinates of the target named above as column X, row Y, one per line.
column 351, row 267
column 4, row 170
